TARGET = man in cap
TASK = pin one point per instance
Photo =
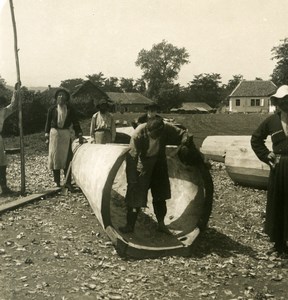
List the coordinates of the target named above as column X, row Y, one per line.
column 151, row 111
column 103, row 129
column 146, row 168
column 5, row 112
column 276, row 125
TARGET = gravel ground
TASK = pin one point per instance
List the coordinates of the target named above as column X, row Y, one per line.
column 54, row 248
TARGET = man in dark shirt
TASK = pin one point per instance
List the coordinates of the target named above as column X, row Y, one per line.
column 146, row 168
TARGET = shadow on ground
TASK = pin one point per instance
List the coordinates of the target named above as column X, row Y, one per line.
column 213, row 241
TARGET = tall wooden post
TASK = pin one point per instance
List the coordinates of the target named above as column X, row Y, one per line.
column 19, row 100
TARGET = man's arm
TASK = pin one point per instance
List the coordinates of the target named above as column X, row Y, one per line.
column 92, row 126
column 9, row 109
column 113, row 129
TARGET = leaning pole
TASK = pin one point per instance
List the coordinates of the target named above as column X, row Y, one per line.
column 99, row 170
column 19, row 100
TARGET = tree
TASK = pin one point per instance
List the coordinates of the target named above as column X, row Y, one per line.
column 127, row 85
column 169, row 96
column 161, row 65
column 206, row 88
column 280, row 54
column 228, row 88
column 97, row 79
column 111, row 85
column 140, row 86
column 71, row 84
column 4, row 91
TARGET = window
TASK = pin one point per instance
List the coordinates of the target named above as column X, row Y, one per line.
column 255, row 102
column 237, row 102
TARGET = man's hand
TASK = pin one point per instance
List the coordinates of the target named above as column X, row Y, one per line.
column 47, row 139
column 81, row 139
column 17, row 85
column 271, row 158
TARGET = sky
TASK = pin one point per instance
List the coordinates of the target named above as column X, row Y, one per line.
column 66, row 39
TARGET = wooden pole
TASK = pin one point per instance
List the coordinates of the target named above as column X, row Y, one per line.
column 19, row 100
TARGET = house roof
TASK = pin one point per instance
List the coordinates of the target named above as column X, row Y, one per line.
column 254, row 88
column 200, row 106
column 88, row 87
column 193, row 106
column 129, row 98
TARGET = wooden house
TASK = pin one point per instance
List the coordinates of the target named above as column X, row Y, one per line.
column 88, row 92
column 129, row 102
column 252, row 96
column 86, row 97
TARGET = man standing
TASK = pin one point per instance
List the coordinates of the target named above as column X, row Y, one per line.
column 103, row 129
column 146, row 168
column 61, row 118
column 6, row 111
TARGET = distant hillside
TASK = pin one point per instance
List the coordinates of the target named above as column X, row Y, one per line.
column 37, row 88
column 31, row 88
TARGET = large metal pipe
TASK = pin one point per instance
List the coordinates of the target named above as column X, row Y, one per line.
column 241, row 163
column 99, row 170
column 215, row 146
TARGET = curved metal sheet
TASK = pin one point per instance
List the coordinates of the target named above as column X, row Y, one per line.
column 99, row 170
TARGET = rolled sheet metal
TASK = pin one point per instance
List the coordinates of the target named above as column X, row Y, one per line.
column 99, row 170
column 245, row 168
column 215, row 146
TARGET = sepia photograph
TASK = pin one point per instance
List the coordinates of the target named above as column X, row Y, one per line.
column 143, row 149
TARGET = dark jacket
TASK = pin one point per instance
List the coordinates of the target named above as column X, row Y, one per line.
column 271, row 126
column 51, row 121
column 139, row 144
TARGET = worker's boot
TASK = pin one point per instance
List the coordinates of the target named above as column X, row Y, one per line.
column 160, row 210
column 56, row 175
column 3, row 182
column 132, row 214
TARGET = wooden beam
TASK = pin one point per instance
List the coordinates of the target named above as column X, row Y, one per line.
column 28, row 199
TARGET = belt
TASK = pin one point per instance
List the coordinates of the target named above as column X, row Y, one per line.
column 102, row 130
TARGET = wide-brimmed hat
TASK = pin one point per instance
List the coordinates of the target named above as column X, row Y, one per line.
column 64, row 91
column 281, row 92
column 152, row 106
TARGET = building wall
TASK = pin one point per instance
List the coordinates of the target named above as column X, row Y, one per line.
column 261, row 104
column 130, row 108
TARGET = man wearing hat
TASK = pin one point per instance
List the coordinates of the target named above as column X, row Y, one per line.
column 146, row 168
column 152, row 110
column 61, row 118
column 276, row 125
column 103, row 129
column 6, row 111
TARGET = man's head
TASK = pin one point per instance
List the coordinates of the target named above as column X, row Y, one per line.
column 155, row 127
column 280, row 98
column 152, row 109
column 103, row 105
column 62, row 97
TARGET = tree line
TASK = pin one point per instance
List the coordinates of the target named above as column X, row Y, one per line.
column 160, row 66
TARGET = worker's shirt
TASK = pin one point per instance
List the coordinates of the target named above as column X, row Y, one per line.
column 153, row 149
column 103, row 122
column 7, row 111
column 284, row 121
column 141, row 146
